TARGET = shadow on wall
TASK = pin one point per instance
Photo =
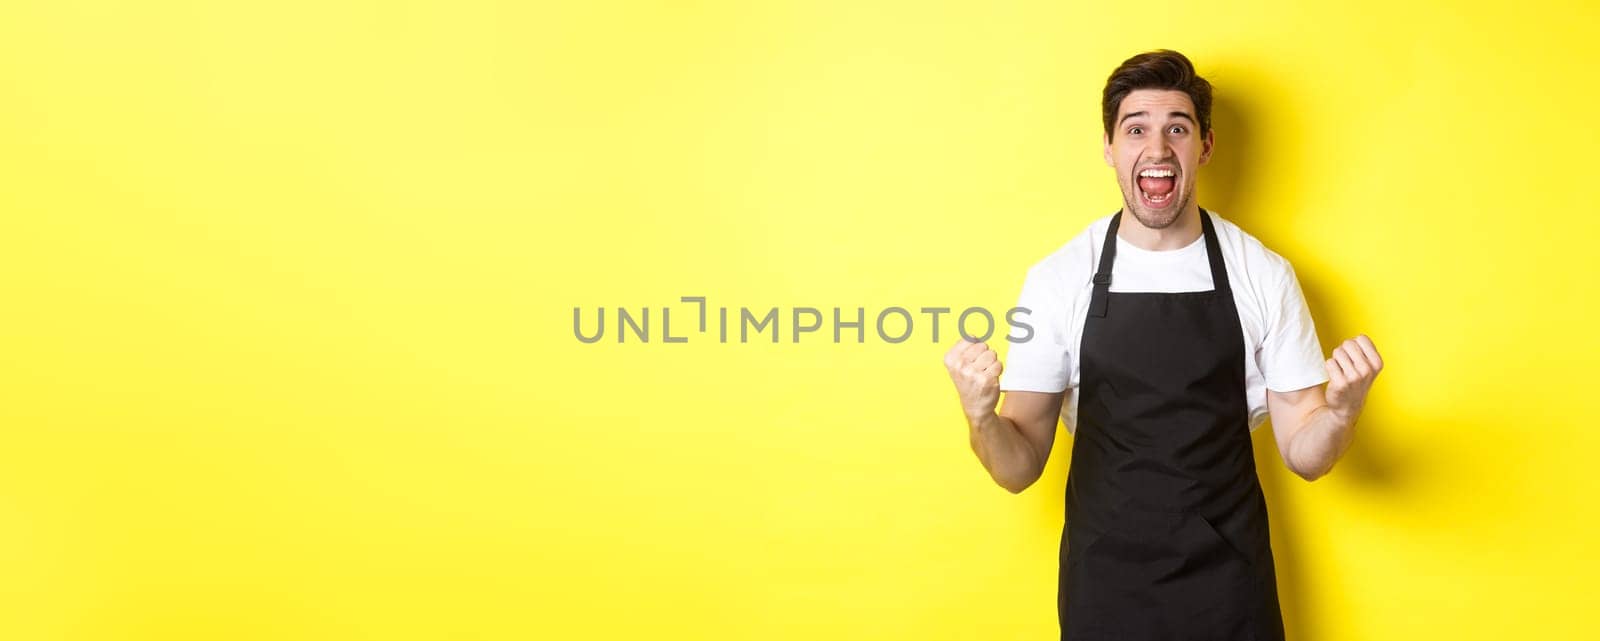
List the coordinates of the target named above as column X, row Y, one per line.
column 1228, row 186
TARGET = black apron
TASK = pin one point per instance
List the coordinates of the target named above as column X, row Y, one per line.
column 1166, row 526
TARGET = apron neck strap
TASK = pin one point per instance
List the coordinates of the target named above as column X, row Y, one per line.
column 1219, row 273
column 1108, row 254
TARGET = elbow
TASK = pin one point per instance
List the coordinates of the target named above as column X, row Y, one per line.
column 1017, row 484
column 1310, row 474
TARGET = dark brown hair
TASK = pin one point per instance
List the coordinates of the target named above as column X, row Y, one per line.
column 1159, row 69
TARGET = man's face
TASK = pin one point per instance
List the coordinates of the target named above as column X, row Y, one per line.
column 1157, row 150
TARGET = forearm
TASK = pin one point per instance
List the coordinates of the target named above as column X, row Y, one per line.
column 1003, row 450
column 1317, row 445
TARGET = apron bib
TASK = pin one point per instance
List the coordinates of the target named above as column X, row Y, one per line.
column 1166, row 532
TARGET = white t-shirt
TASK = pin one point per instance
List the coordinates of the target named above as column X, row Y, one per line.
column 1280, row 341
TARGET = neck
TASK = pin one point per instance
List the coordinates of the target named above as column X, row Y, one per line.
column 1178, row 235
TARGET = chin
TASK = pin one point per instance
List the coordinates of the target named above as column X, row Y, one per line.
column 1158, row 218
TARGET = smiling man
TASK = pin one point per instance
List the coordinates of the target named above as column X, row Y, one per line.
column 1165, row 338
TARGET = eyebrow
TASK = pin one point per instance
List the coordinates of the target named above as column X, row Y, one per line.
column 1174, row 114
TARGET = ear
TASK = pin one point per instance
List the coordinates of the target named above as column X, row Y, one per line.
column 1106, row 141
column 1206, row 145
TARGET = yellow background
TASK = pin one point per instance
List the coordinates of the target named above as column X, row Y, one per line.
column 288, row 288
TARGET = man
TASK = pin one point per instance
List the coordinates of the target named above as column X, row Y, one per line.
column 1176, row 334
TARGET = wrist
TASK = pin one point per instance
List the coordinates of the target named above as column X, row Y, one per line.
column 1343, row 416
column 979, row 419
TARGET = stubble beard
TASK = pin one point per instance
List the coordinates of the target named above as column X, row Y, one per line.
column 1152, row 219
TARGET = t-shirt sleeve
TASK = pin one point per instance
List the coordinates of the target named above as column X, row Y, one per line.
column 1039, row 362
column 1291, row 355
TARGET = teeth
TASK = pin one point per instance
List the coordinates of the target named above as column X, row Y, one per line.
column 1156, row 173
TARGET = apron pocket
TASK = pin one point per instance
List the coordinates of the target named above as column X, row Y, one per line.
column 1211, row 530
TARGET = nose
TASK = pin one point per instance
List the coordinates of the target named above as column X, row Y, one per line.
column 1157, row 147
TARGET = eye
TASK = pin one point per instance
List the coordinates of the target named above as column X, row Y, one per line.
column 1178, row 129
column 1134, row 131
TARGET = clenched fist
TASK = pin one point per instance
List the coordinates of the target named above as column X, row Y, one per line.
column 975, row 369
column 1354, row 365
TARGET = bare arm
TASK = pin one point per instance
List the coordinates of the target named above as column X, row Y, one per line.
column 1314, row 428
column 1014, row 443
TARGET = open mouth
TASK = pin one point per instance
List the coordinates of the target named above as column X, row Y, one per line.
column 1157, row 186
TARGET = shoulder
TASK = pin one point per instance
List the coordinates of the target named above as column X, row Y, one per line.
column 1260, row 265
column 1073, row 263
